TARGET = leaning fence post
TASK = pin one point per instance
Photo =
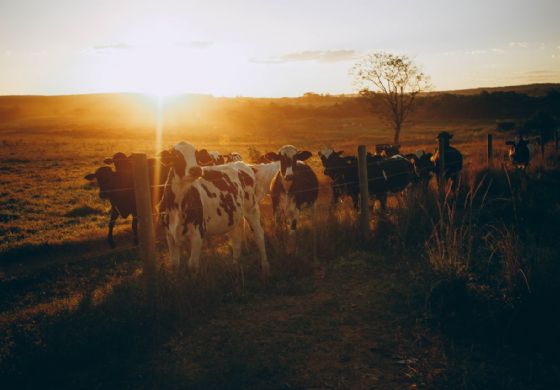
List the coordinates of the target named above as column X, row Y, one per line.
column 441, row 162
column 146, row 237
column 490, row 152
column 364, row 194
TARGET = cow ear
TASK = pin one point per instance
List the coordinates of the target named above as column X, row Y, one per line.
column 302, row 156
column 90, row 176
column 195, row 172
column 108, row 161
column 203, row 157
column 272, row 156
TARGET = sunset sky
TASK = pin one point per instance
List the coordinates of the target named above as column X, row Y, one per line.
column 268, row 48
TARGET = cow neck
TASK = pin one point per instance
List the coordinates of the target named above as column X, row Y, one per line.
column 180, row 185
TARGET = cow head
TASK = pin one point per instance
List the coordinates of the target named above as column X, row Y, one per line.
column 288, row 156
column 217, row 158
column 445, row 136
column 105, row 178
column 120, row 160
column 185, row 159
column 233, row 157
column 330, row 160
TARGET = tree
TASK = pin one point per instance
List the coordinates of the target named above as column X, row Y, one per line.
column 392, row 79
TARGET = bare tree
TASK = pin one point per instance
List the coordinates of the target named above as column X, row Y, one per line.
column 393, row 78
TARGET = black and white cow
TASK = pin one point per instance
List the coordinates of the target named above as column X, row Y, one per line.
column 521, row 152
column 385, row 175
column 423, row 165
column 390, row 175
column 343, row 171
column 202, row 201
column 220, row 159
column 117, row 187
column 294, row 186
column 453, row 160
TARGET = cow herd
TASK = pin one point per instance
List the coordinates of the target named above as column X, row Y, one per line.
column 205, row 193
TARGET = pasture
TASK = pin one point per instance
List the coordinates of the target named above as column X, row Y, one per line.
column 439, row 298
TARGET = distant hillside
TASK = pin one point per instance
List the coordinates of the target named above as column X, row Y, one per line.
column 528, row 89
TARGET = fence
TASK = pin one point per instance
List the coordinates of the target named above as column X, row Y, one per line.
column 143, row 192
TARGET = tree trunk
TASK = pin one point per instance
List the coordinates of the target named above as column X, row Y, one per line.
column 397, row 138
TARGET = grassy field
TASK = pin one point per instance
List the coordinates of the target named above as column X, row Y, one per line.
column 454, row 293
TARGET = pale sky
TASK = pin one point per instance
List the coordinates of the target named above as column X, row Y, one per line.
column 268, row 48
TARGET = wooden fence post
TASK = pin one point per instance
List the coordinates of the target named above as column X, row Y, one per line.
column 556, row 140
column 441, row 173
column 364, row 194
column 146, row 237
column 489, row 163
column 542, row 143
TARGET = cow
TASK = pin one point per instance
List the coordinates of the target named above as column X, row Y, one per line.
column 423, row 165
column 387, row 150
column 220, row 159
column 294, row 186
column 385, row 175
column 203, row 201
column 453, row 160
column 343, row 172
column 521, row 152
column 118, row 187
column 390, row 175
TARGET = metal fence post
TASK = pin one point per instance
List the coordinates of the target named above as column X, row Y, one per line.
column 364, row 194
column 146, row 234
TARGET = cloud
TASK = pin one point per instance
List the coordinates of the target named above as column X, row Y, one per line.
column 195, row 44
column 476, row 52
column 521, row 45
column 325, row 56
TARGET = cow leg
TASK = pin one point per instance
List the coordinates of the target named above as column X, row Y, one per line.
column 254, row 219
column 196, row 248
column 112, row 218
column 237, row 235
column 292, row 217
column 174, row 251
column 135, row 229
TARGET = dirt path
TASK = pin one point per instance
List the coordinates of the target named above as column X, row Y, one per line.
column 352, row 328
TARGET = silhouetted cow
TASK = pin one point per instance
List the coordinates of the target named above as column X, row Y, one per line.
column 453, row 160
column 343, row 171
column 521, row 152
column 118, row 187
column 423, row 165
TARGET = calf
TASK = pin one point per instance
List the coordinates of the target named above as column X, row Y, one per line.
column 521, row 152
column 453, row 161
column 201, row 201
column 294, row 186
column 344, row 174
column 423, row 166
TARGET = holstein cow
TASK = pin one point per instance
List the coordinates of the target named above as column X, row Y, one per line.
column 391, row 175
column 521, row 152
column 453, row 160
column 220, row 159
column 117, row 187
column 294, row 186
column 201, row 201
column 343, row 172
column 423, row 165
